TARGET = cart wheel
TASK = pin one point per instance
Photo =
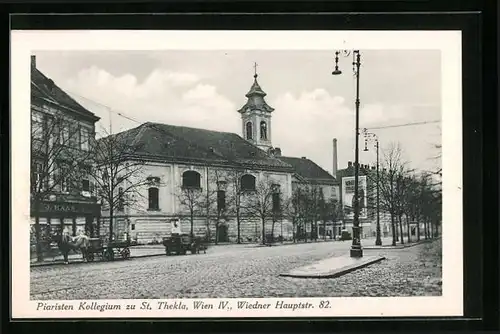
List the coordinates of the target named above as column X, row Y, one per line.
column 125, row 253
column 90, row 257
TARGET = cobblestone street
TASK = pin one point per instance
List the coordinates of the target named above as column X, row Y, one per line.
column 243, row 271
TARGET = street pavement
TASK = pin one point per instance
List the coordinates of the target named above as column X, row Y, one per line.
column 242, row 271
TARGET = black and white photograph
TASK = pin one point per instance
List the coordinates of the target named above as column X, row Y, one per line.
column 235, row 174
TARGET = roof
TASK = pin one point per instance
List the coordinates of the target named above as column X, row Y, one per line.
column 309, row 170
column 158, row 141
column 44, row 88
column 256, row 99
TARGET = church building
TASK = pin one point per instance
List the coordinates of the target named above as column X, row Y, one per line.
column 215, row 184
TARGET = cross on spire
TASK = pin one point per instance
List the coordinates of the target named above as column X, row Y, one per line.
column 255, row 69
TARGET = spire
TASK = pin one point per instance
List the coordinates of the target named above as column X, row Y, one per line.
column 256, row 96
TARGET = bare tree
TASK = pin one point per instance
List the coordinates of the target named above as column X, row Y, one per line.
column 392, row 187
column 193, row 201
column 59, row 162
column 119, row 176
column 260, row 203
column 235, row 199
column 215, row 205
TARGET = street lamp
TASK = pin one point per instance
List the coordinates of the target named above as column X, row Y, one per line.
column 356, row 250
column 373, row 137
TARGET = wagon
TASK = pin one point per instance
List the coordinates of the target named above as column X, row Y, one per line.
column 180, row 244
column 108, row 251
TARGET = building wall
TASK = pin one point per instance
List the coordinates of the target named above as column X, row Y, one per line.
column 145, row 226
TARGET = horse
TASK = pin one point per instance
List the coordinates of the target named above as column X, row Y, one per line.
column 79, row 243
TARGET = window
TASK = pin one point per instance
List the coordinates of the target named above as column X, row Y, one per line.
column 37, row 175
column 132, row 227
column 85, row 171
column 221, row 200
column 62, row 178
column 84, row 139
column 37, row 125
column 249, row 130
column 190, row 179
column 263, row 130
column 64, row 133
column 153, row 199
column 248, row 182
column 121, row 200
column 74, row 133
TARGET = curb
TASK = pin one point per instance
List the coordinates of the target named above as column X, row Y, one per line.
column 339, row 272
column 293, row 244
column 56, row 263
column 399, row 246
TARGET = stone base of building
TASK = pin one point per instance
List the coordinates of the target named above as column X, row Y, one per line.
column 152, row 230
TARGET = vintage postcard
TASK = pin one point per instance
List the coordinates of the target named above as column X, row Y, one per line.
column 236, row 174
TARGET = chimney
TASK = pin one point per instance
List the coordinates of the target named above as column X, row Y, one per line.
column 33, row 61
column 277, row 152
column 335, row 162
column 304, row 158
column 349, row 164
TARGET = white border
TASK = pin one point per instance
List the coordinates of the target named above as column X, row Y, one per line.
column 449, row 42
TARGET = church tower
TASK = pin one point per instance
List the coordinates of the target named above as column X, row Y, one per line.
column 256, row 117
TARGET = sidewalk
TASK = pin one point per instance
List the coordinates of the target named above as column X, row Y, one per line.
column 387, row 244
column 135, row 252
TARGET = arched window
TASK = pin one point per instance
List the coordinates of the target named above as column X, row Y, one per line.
column 191, row 179
column 248, row 182
column 153, row 198
column 263, row 130
column 249, row 130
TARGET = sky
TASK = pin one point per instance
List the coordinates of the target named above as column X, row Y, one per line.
column 204, row 89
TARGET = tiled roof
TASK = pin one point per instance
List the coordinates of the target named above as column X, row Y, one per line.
column 43, row 87
column 185, row 144
column 309, row 170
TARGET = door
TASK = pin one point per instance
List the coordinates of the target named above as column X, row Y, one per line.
column 222, row 235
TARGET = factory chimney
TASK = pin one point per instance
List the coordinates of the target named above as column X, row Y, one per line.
column 335, row 162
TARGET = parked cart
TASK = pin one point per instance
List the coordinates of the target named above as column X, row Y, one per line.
column 180, row 244
column 108, row 251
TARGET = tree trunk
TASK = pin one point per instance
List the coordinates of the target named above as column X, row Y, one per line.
column 238, row 226
column 394, row 230
column 408, row 228
column 192, row 225
column 263, row 231
column 401, row 229
column 111, row 213
column 418, row 229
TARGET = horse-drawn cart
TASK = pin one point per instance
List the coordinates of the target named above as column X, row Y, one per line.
column 181, row 243
column 107, row 250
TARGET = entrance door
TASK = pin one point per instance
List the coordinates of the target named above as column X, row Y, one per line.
column 222, row 235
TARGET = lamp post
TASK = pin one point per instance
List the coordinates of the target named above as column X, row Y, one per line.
column 373, row 137
column 356, row 250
